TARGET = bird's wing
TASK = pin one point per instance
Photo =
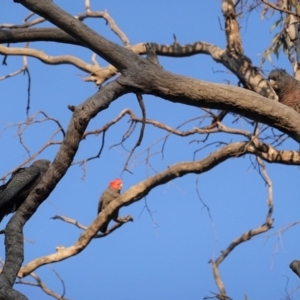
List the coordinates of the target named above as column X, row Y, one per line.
column 100, row 204
column 20, row 179
column 108, row 195
column 2, row 187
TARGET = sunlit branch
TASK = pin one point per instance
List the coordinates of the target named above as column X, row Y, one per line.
column 234, row 41
column 39, row 283
column 51, row 60
column 141, row 189
column 249, row 234
column 70, row 221
column 39, row 20
column 88, row 14
column 13, row 73
column 83, row 227
column 279, row 8
column 109, row 20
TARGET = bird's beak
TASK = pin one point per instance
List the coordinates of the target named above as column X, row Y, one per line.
column 273, row 84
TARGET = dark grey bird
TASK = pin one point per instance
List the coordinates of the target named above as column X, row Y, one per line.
column 295, row 266
column 112, row 192
column 22, row 182
column 286, row 87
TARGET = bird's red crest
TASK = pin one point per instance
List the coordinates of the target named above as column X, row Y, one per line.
column 116, row 184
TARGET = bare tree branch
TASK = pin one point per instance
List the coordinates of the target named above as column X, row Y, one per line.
column 247, row 235
column 138, row 143
column 279, row 8
column 39, row 283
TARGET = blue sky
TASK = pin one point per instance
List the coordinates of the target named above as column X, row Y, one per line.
column 166, row 258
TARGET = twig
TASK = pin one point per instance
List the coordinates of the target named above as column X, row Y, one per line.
column 42, row 285
column 279, row 8
column 247, row 235
column 138, row 143
column 83, row 227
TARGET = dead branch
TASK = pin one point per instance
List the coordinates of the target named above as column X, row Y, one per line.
column 109, row 20
column 110, row 123
column 70, row 221
column 39, row 283
column 247, row 235
column 134, row 194
column 232, row 28
column 83, row 227
column 38, row 20
column 138, row 74
column 141, row 189
column 13, row 73
column 88, row 14
column 33, row 156
column 238, row 64
column 279, row 8
column 51, row 60
column 138, row 143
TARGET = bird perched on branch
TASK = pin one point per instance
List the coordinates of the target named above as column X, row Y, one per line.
column 111, row 193
column 286, row 87
column 22, row 182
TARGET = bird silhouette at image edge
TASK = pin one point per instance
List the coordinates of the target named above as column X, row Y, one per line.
column 286, row 87
column 22, row 182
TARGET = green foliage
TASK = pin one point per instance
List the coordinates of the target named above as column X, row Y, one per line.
column 281, row 41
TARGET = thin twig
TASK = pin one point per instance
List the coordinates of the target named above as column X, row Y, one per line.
column 138, row 143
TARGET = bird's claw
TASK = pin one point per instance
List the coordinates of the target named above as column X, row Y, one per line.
column 125, row 219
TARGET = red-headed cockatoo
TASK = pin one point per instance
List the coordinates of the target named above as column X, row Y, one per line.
column 111, row 193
